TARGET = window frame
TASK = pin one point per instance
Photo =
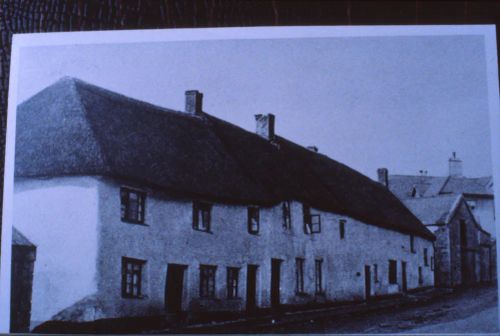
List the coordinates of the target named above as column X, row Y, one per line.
column 126, row 212
column 299, row 275
column 318, row 276
column 420, row 276
column 253, row 212
column 287, row 215
column 200, row 209
column 375, row 273
column 412, row 244
column 393, row 272
column 128, row 292
column 232, row 282
column 311, row 226
column 207, row 281
column 342, row 223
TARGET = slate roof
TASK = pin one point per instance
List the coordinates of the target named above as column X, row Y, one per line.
column 432, row 210
column 19, row 239
column 75, row 128
column 429, row 186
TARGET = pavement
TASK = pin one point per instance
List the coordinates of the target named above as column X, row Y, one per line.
column 303, row 320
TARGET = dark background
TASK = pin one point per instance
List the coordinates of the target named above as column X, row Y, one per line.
column 28, row 16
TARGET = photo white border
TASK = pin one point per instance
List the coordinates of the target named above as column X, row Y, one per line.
column 198, row 34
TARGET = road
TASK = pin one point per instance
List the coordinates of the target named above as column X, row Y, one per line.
column 471, row 311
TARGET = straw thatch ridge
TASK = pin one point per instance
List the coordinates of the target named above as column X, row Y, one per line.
column 74, row 128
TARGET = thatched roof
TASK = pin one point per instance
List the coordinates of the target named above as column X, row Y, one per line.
column 74, row 128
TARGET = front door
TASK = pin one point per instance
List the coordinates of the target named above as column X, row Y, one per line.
column 368, row 283
column 174, row 288
column 403, row 268
column 275, row 282
column 251, row 287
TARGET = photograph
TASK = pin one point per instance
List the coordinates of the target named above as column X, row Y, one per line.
column 252, row 180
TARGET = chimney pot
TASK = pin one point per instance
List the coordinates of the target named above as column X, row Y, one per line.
column 265, row 125
column 383, row 176
column 194, row 101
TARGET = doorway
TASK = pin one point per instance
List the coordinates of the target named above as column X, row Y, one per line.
column 251, row 287
column 403, row 268
column 368, row 283
column 275, row 282
column 174, row 288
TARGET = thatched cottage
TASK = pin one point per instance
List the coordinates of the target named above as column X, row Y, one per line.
column 138, row 209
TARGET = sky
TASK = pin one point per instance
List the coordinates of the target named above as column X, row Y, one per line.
column 404, row 103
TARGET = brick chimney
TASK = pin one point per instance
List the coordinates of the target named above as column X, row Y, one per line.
column 265, row 125
column 383, row 176
column 194, row 100
column 455, row 166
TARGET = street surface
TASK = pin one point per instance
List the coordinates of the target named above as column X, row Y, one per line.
column 471, row 311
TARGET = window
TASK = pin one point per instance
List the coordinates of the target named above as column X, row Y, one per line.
column 318, row 275
column 201, row 216
column 299, row 275
column 420, row 277
column 375, row 272
column 393, row 272
column 253, row 220
column 413, row 192
column 287, row 216
column 432, row 263
column 412, row 243
column 312, row 223
column 132, row 277
column 342, row 228
column 207, row 281
column 132, row 205
column 232, row 282
column 426, row 261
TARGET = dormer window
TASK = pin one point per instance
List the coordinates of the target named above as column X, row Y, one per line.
column 253, row 220
column 201, row 216
column 132, row 205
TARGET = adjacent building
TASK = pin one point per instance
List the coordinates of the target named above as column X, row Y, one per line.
column 463, row 250
column 22, row 266
column 139, row 210
column 460, row 211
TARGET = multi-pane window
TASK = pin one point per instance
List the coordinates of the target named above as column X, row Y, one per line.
column 426, row 261
column 207, row 281
column 375, row 272
column 312, row 223
column 253, row 220
column 232, row 282
column 318, row 275
column 287, row 215
column 132, row 205
column 201, row 216
column 420, row 277
column 393, row 272
column 132, row 277
column 299, row 275
column 342, row 228
column 412, row 243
